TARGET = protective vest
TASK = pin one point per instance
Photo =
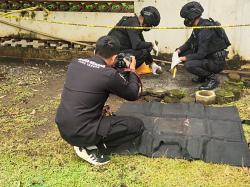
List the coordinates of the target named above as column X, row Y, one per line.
column 219, row 40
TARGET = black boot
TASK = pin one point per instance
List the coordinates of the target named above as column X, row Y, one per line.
column 211, row 84
column 199, row 79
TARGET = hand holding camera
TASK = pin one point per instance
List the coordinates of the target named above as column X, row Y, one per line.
column 131, row 64
column 125, row 61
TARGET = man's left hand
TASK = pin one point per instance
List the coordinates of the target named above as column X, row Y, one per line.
column 131, row 65
column 183, row 59
column 155, row 48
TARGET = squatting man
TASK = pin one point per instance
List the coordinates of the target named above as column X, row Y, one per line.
column 90, row 81
column 132, row 40
column 204, row 53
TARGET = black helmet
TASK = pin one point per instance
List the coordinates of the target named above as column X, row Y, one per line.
column 151, row 16
column 190, row 12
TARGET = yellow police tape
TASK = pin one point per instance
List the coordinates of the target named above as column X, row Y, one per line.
column 7, row 15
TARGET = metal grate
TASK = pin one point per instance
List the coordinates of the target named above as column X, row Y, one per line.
column 71, row 6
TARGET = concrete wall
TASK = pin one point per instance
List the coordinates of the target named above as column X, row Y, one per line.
column 228, row 12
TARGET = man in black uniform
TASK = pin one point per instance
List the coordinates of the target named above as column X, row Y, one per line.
column 204, row 53
column 87, row 87
column 132, row 40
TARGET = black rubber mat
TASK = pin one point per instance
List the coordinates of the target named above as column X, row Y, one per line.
column 189, row 131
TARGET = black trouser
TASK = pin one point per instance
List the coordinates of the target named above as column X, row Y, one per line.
column 204, row 67
column 117, row 130
column 141, row 56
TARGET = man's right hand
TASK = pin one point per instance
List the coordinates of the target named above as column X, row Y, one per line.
column 182, row 59
column 175, row 60
column 131, row 65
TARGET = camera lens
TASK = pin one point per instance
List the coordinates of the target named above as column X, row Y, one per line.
column 120, row 63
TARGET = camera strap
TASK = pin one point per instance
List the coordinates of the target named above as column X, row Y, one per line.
column 138, row 77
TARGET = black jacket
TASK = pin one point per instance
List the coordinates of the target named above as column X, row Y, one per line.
column 204, row 42
column 130, row 38
column 87, row 87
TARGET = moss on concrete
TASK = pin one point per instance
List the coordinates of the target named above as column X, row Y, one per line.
column 176, row 93
column 224, row 96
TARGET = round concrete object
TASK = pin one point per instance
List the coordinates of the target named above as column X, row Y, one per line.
column 205, row 97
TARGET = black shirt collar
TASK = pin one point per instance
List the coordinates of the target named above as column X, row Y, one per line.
column 98, row 60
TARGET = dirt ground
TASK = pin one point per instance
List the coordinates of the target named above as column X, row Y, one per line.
column 31, row 85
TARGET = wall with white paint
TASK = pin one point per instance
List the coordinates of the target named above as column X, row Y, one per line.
column 228, row 12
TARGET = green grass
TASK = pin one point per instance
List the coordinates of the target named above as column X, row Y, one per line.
column 64, row 169
column 32, row 152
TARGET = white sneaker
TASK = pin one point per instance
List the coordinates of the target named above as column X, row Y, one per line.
column 91, row 155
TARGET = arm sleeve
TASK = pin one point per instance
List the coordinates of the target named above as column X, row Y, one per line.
column 204, row 39
column 136, row 41
column 186, row 46
column 136, row 38
column 126, row 89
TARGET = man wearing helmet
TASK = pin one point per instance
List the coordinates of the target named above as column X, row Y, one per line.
column 132, row 40
column 204, row 53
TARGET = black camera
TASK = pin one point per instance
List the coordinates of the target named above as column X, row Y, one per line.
column 120, row 63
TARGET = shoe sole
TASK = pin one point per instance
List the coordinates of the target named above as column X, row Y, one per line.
column 83, row 155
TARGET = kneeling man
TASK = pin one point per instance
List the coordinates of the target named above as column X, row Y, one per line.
column 88, row 84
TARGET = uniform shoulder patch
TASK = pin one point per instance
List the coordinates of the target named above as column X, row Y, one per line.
column 90, row 63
